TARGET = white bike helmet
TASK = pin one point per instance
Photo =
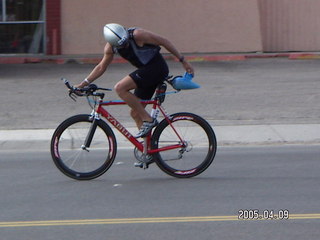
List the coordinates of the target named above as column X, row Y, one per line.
column 115, row 34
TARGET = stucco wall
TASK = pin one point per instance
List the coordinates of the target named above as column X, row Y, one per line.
column 192, row 25
column 290, row 25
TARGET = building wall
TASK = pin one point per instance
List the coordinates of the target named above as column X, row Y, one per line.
column 290, row 25
column 193, row 26
column 196, row 26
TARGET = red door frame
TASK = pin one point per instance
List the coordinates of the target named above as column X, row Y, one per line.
column 53, row 27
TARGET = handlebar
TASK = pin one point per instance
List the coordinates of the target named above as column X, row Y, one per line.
column 90, row 90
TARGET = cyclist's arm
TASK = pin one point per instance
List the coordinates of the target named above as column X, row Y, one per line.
column 100, row 68
column 145, row 37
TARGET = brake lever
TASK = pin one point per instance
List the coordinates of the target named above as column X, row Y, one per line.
column 73, row 96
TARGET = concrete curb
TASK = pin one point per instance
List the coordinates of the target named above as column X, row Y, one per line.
column 94, row 59
column 32, row 139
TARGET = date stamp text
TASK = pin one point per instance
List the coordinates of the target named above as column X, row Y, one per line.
column 255, row 214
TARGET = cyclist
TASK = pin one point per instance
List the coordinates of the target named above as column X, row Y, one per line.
column 142, row 49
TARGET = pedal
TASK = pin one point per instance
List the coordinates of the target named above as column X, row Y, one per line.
column 143, row 160
column 141, row 165
column 138, row 164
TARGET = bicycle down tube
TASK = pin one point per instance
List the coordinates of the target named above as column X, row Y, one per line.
column 127, row 134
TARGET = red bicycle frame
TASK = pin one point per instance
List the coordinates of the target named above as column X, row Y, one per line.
column 141, row 146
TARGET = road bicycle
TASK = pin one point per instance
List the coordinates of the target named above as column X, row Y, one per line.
column 84, row 146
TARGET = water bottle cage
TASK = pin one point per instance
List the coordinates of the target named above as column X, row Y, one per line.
column 161, row 92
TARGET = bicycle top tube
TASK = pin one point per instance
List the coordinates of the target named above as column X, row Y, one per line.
column 121, row 102
column 92, row 90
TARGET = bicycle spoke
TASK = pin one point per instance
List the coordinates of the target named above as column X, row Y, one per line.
column 75, row 161
column 198, row 149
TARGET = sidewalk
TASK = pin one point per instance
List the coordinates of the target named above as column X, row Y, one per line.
column 226, row 136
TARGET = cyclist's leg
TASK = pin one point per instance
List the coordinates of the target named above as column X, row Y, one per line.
column 135, row 116
column 144, row 80
column 142, row 94
column 123, row 88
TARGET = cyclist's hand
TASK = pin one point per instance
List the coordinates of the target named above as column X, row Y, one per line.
column 75, row 90
column 80, row 85
column 188, row 67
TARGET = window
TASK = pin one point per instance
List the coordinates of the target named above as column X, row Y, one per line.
column 1, row 12
column 22, row 26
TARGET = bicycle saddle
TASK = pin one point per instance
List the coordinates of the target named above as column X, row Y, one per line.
column 184, row 82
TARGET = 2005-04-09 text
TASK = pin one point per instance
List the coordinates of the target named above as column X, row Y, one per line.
column 255, row 214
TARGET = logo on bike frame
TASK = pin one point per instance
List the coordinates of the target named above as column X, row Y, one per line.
column 121, row 128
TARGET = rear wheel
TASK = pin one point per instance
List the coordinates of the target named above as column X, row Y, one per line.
column 71, row 156
column 198, row 140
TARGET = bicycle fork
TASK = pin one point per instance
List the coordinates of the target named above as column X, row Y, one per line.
column 87, row 143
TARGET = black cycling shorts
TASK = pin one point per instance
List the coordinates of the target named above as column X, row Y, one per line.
column 149, row 77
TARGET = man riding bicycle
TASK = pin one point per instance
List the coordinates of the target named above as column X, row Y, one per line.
column 142, row 49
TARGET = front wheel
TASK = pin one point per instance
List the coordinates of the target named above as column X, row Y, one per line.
column 70, row 154
column 197, row 140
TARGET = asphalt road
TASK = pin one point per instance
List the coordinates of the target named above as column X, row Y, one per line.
column 38, row 202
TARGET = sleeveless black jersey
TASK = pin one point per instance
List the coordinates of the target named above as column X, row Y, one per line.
column 138, row 56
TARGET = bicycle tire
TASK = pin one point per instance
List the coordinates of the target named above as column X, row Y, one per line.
column 68, row 154
column 200, row 140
